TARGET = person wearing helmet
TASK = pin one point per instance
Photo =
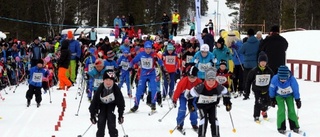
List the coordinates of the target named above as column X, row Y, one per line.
column 203, row 59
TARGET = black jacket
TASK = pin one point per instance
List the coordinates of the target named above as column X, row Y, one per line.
column 254, row 75
column 275, row 47
column 209, row 39
column 65, row 57
column 97, row 105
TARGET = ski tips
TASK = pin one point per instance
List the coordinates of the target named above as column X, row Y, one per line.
column 234, row 130
column 171, row 131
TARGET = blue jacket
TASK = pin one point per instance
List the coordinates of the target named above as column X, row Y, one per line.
column 236, row 56
column 147, row 63
column 117, row 21
column 124, row 63
column 90, row 60
column 75, row 49
column 110, row 64
column 123, row 47
column 203, row 63
column 95, row 78
column 250, row 52
column 36, row 75
column 288, row 88
column 222, row 54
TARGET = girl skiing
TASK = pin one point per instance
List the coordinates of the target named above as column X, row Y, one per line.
column 95, row 77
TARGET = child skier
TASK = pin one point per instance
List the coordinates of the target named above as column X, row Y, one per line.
column 123, row 63
column 284, row 88
column 95, row 77
column 35, row 83
column 208, row 96
column 170, row 61
column 259, row 77
column 223, row 74
column 186, row 83
column 106, row 98
column 203, row 60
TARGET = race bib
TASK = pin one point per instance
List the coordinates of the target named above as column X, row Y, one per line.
column 146, row 63
column 37, row 77
column 262, row 80
column 119, row 55
column 90, row 67
column 284, row 91
column 188, row 59
column 107, row 99
column 221, row 79
column 203, row 66
column 171, row 60
column 97, row 82
column 125, row 65
column 207, row 99
column 109, row 67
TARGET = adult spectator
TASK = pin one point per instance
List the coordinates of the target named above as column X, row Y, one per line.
column 175, row 19
column 259, row 36
column 131, row 20
column 124, row 21
column 165, row 20
column 275, row 46
column 75, row 49
column 117, row 21
column 37, row 51
column 249, row 50
column 93, row 36
column 208, row 39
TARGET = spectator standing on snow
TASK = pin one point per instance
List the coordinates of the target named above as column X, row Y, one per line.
column 117, row 21
column 208, row 39
column 175, row 19
column 210, row 25
column 37, row 51
column 93, row 36
column 63, row 65
column 130, row 20
column 75, row 49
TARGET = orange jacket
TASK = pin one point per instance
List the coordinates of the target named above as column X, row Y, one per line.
column 171, row 62
column 184, row 84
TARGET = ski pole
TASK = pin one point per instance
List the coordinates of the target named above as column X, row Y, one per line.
column 2, row 98
column 298, row 114
column 233, row 130
column 85, row 131
column 172, row 130
column 79, row 87
column 125, row 135
column 165, row 114
column 239, row 60
column 4, row 87
column 79, row 103
column 49, row 91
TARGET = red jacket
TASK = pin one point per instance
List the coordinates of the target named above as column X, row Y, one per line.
column 171, row 62
column 184, row 84
column 222, row 77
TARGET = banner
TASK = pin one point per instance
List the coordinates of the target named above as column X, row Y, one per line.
column 198, row 21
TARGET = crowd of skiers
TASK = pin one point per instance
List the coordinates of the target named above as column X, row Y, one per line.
column 222, row 69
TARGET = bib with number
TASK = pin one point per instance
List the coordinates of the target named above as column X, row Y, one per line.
column 262, row 80
column 188, row 59
column 284, row 91
column 171, row 60
column 37, row 77
column 109, row 67
column 107, row 99
column 207, row 99
column 125, row 65
column 97, row 82
column 203, row 66
column 221, row 79
column 146, row 63
column 90, row 67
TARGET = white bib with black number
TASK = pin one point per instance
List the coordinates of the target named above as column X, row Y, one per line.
column 221, row 79
column 284, row 91
column 146, row 63
column 90, row 67
column 125, row 65
column 37, row 77
column 109, row 67
column 107, row 99
column 97, row 82
column 263, row 80
column 207, row 99
column 171, row 60
column 188, row 59
column 203, row 66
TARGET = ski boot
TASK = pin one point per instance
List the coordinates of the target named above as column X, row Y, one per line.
column 28, row 103
column 153, row 107
column 195, row 128
column 134, row 109
column 281, row 131
column 265, row 115
column 38, row 105
column 256, row 119
column 296, row 130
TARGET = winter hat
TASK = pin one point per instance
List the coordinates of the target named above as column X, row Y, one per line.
column 36, row 38
column 262, row 57
column 106, row 39
column 147, row 44
column 204, row 47
column 170, row 47
column 191, row 70
column 109, row 74
column 47, row 59
column 40, row 61
column 221, row 41
column 136, row 48
column 17, row 59
column 125, row 51
column 98, row 62
column 65, row 44
column 126, row 40
column 250, row 32
column 283, row 72
column 223, row 62
column 70, row 35
column 275, row 28
column 110, row 54
column 205, row 30
column 211, row 73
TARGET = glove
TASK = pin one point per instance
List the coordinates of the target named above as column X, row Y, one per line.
column 120, row 119
column 155, row 59
column 232, row 76
column 130, row 69
column 86, row 76
column 273, row 102
column 298, row 103
column 120, row 67
column 227, row 103
column 174, row 103
column 228, row 107
column 93, row 119
column 191, row 106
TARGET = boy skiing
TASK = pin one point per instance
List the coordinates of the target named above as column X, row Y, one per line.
column 284, row 88
column 106, row 98
column 123, row 63
column 95, row 77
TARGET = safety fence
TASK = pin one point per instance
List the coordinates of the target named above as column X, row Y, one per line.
column 305, row 66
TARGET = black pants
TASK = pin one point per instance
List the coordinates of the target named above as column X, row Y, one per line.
column 210, row 115
column 238, row 80
column 36, row 91
column 245, row 75
column 106, row 116
column 45, row 85
column 159, row 99
column 93, row 42
column 174, row 29
column 191, row 32
column 261, row 102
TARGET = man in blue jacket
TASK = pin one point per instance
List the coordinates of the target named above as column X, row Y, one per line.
column 35, row 83
column 118, row 21
column 249, row 50
column 74, row 47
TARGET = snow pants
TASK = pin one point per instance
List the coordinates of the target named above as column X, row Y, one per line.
column 281, row 113
column 72, row 70
column 208, row 114
column 142, row 87
column 182, row 112
column 62, row 76
column 125, row 77
column 106, row 116
column 261, row 102
column 170, row 85
column 36, row 91
column 238, row 80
